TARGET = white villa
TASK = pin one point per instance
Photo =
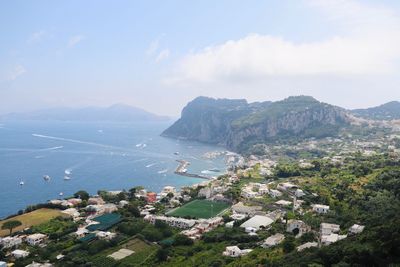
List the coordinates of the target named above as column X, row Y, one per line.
column 307, row 245
column 10, row 241
column 297, row 224
column 18, row 253
column 234, row 251
column 273, row 240
column 356, row 229
column 320, row 208
column 35, row 239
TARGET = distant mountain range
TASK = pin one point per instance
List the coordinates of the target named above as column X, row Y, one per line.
column 237, row 124
column 388, row 111
column 115, row 113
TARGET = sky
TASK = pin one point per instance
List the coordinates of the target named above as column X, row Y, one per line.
column 158, row 55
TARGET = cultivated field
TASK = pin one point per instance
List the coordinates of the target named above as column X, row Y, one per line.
column 200, row 209
column 32, row 218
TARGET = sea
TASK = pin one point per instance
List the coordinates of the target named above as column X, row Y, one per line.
column 94, row 156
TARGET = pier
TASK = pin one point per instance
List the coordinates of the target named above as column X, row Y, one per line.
column 181, row 170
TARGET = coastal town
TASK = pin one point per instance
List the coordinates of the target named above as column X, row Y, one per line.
column 260, row 205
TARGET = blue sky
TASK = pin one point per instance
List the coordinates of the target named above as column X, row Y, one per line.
column 158, row 55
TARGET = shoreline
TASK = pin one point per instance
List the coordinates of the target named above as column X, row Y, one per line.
column 181, row 170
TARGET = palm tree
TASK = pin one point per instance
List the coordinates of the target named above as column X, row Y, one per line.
column 10, row 225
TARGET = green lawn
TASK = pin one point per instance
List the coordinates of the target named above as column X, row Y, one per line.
column 200, row 209
column 143, row 252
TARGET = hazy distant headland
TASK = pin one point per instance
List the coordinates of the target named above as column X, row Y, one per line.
column 114, row 113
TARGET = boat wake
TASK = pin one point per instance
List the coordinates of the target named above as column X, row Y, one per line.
column 162, row 171
column 150, row 165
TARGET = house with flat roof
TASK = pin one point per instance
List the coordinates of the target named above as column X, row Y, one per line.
column 35, row 239
column 332, row 238
column 297, row 224
column 356, row 229
column 320, row 208
column 257, row 222
column 307, row 245
column 19, row 253
column 234, row 251
column 10, row 241
column 329, row 228
column 273, row 240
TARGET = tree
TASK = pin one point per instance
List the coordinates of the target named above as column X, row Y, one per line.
column 288, row 244
column 134, row 210
column 162, row 254
column 182, row 240
column 82, row 195
column 10, row 225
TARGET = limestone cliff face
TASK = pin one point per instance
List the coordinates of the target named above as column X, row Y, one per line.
column 237, row 124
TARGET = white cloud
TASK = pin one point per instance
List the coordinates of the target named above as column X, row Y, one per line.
column 74, row 40
column 16, row 72
column 164, row 54
column 36, row 36
column 153, row 47
column 370, row 44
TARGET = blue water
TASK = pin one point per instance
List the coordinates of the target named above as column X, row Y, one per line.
column 108, row 156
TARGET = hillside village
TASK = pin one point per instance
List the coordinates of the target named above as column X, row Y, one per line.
column 262, row 205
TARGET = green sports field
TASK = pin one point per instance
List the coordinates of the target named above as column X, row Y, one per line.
column 200, row 209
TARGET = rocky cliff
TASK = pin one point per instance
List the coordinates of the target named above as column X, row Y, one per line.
column 237, row 124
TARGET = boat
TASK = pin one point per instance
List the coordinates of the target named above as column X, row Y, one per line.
column 214, row 170
column 67, row 171
column 61, row 194
column 176, row 153
column 66, row 177
column 46, row 178
column 21, row 183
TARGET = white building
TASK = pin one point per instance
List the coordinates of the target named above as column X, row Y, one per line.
column 169, row 189
column 234, row 251
column 274, row 193
column 283, row 203
column 238, row 216
column 273, row 240
column 257, row 222
column 243, row 209
column 37, row 264
column 248, row 193
column 171, row 221
column 10, row 241
column 356, row 229
column 205, row 192
column 307, row 245
column 81, row 232
column 329, row 228
column 332, row 238
column 123, row 203
column 299, row 193
column 106, row 235
column 74, row 213
column 263, row 189
column 286, row 186
column 18, row 253
column 297, row 224
column 35, row 239
column 320, row 208
column 250, row 229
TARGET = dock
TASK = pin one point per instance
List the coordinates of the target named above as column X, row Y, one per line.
column 182, row 170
